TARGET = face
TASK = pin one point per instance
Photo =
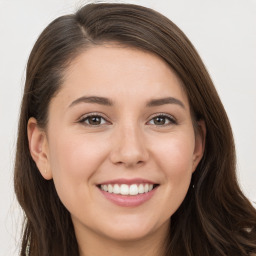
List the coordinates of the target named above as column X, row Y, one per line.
column 120, row 144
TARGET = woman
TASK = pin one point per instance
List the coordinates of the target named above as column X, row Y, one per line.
column 124, row 146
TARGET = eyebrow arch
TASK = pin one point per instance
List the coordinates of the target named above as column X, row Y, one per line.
column 92, row 99
column 107, row 102
column 163, row 101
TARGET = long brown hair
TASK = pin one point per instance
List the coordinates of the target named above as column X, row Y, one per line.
column 215, row 218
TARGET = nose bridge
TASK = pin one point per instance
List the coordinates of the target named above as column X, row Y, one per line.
column 129, row 145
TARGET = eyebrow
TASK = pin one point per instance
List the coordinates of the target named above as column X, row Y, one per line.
column 164, row 101
column 107, row 102
column 92, row 99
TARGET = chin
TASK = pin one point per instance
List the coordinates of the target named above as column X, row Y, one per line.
column 131, row 231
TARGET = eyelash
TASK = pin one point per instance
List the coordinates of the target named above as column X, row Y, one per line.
column 171, row 119
column 97, row 115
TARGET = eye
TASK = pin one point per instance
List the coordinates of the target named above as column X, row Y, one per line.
column 162, row 120
column 93, row 120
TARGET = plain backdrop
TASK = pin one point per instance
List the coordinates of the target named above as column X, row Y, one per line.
column 224, row 33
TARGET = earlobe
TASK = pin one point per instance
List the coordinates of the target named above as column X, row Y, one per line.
column 200, row 136
column 38, row 147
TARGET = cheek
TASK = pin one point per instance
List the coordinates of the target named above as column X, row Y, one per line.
column 73, row 160
column 175, row 158
column 176, row 150
column 75, row 155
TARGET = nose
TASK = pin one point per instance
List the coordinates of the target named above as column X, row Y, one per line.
column 128, row 147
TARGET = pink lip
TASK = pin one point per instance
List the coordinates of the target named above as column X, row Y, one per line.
column 127, row 200
column 128, row 181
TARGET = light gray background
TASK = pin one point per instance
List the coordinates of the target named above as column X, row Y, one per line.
column 224, row 33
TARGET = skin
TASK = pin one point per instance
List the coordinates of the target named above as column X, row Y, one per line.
column 127, row 143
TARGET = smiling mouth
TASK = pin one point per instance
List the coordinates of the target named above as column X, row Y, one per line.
column 128, row 190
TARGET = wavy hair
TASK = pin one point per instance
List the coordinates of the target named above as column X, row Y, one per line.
column 215, row 217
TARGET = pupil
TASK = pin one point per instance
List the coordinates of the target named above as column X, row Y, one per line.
column 94, row 120
column 159, row 120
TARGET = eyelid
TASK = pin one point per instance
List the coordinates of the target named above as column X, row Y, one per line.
column 161, row 114
column 83, row 117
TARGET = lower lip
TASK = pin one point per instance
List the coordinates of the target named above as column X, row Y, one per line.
column 129, row 201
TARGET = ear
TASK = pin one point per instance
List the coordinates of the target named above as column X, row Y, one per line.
column 200, row 135
column 38, row 147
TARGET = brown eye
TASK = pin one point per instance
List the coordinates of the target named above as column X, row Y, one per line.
column 93, row 120
column 159, row 120
column 162, row 120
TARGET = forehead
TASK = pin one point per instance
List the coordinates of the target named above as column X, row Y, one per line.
column 114, row 70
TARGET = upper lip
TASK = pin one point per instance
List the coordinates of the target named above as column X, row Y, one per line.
column 128, row 181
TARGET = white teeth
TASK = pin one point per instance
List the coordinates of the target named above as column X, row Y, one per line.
column 110, row 188
column 124, row 189
column 116, row 189
column 141, row 189
column 134, row 190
